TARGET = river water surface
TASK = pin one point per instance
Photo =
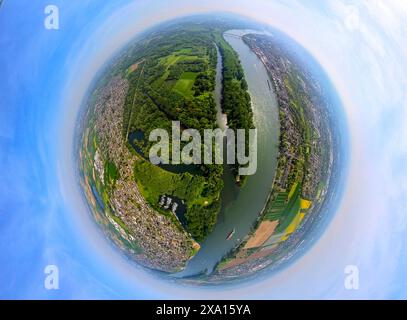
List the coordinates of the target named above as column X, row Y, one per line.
column 241, row 207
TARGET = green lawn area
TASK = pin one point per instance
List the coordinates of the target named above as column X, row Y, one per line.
column 185, row 83
column 176, row 57
column 168, row 62
column 154, row 181
column 111, row 174
column 159, row 82
column 185, row 51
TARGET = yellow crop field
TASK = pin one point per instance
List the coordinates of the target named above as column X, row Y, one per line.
column 304, row 205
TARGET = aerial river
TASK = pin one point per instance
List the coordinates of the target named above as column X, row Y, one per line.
column 241, row 207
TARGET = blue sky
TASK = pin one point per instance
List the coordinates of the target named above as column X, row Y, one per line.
column 45, row 75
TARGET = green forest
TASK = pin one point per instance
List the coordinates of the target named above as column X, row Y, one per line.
column 236, row 102
column 172, row 78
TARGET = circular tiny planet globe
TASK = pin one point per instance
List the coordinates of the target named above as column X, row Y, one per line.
column 210, row 149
